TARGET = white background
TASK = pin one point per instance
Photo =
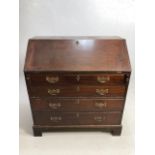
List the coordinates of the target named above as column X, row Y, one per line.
column 9, row 79
column 76, row 18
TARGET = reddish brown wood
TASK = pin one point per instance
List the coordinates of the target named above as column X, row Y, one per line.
column 83, row 91
column 77, row 54
column 78, row 118
column 75, row 78
column 76, row 105
column 114, row 129
column 81, row 69
column 37, row 132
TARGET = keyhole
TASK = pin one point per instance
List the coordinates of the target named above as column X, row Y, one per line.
column 77, row 42
column 78, row 78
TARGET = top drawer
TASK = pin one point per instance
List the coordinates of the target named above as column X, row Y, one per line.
column 48, row 79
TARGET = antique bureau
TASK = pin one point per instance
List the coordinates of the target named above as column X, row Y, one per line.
column 77, row 83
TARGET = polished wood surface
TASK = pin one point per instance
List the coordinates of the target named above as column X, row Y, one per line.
column 75, row 78
column 113, row 129
column 75, row 105
column 77, row 83
column 77, row 55
column 79, row 118
column 83, row 91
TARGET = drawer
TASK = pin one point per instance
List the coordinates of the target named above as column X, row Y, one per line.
column 75, row 105
column 77, row 91
column 78, row 118
column 49, row 79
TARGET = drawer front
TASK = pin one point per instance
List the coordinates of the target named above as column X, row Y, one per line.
column 75, row 105
column 48, row 79
column 77, row 91
column 78, row 118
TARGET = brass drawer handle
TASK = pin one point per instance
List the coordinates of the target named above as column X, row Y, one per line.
column 102, row 91
column 53, row 91
column 54, row 105
column 55, row 118
column 103, row 79
column 99, row 118
column 101, row 104
column 52, row 79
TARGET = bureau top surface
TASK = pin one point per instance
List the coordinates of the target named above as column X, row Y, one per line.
column 77, row 54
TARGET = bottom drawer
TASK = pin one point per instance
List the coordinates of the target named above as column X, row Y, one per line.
column 78, row 118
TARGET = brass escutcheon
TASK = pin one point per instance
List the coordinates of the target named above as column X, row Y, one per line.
column 77, row 88
column 78, row 78
column 77, row 115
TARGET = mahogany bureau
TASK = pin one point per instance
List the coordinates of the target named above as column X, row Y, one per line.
column 77, row 83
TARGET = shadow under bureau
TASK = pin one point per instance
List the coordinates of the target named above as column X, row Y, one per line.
column 77, row 83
